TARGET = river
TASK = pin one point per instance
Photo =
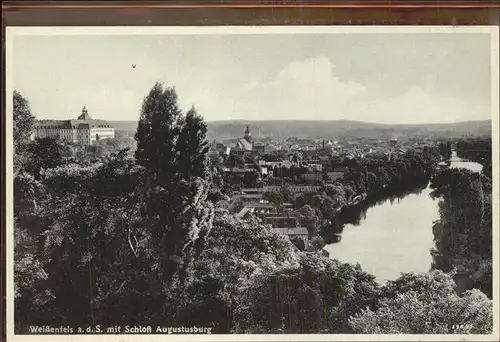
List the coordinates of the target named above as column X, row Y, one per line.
column 394, row 235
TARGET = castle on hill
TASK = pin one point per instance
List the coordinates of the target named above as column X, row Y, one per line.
column 83, row 131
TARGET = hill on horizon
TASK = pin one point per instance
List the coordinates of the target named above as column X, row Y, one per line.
column 316, row 129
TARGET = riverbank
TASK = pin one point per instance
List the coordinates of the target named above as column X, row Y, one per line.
column 389, row 236
column 463, row 233
column 391, row 232
column 353, row 212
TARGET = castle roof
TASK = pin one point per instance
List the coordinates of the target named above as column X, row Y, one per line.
column 84, row 121
column 69, row 124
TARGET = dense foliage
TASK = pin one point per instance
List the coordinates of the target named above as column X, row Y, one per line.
column 425, row 304
column 101, row 236
column 445, row 150
column 23, row 122
column 463, row 235
column 119, row 240
column 479, row 151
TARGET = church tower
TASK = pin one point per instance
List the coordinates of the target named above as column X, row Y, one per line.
column 85, row 114
column 248, row 135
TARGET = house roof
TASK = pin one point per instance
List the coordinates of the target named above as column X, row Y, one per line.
column 52, row 124
column 274, row 217
column 243, row 212
column 291, row 231
column 252, row 190
column 241, row 170
column 245, row 144
column 259, row 205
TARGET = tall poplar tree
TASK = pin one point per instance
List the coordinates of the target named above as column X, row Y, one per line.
column 192, row 146
column 172, row 148
column 157, row 133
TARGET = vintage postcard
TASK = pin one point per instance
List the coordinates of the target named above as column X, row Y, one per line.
column 252, row 183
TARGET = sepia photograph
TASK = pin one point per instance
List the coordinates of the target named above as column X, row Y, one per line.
column 321, row 183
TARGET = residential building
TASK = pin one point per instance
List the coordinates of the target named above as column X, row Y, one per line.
column 334, row 175
column 280, row 221
column 312, row 178
column 218, row 148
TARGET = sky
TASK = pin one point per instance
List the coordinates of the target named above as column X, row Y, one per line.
column 382, row 78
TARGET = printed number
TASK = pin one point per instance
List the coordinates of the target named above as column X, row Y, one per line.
column 461, row 326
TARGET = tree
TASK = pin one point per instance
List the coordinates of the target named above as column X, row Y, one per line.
column 337, row 193
column 463, row 234
column 215, row 170
column 309, row 219
column 250, row 179
column 317, row 243
column 318, row 295
column 180, row 220
column 172, row 148
column 426, row 304
column 192, row 146
column 235, row 160
column 275, row 197
column 46, row 153
column 237, row 252
column 445, row 149
column 29, row 278
column 105, row 147
column 157, row 133
column 478, row 151
column 23, row 125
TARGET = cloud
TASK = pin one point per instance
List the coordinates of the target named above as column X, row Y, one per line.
column 305, row 89
column 309, row 89
column 313, row 84
column 418, row 105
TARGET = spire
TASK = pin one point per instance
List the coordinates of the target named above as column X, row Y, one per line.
column 248, row 135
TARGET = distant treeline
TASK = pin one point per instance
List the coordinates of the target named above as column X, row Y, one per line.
column 477, row 150
column 312, row 129
column 336, row 129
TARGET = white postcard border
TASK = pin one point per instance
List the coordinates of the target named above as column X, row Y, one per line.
column 12, row 32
